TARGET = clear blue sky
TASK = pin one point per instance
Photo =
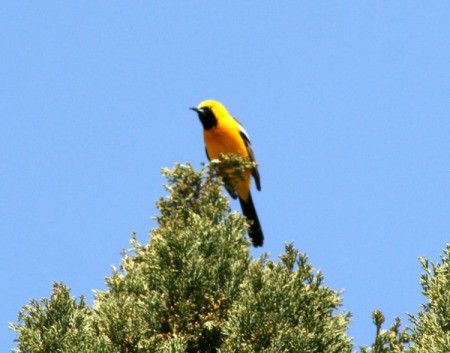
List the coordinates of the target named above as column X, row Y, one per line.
column 347, row 104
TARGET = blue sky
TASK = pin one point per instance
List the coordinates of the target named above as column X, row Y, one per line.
column 347, row 105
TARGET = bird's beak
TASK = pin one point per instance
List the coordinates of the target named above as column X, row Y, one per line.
column 196, row 110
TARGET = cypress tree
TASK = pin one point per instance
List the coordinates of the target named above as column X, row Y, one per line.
column 194, row 287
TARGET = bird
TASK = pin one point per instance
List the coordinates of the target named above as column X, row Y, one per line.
column 223, row 134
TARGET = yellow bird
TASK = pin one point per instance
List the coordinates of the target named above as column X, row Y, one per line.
column 224, row 134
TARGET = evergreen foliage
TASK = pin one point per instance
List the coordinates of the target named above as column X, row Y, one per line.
column 431, row 331
column 58, row 324
column 194, row 288
column 285, row 307
column 388, row 341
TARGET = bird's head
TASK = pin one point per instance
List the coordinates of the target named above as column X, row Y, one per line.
column 209, row 113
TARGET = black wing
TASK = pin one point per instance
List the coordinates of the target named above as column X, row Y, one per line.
column 248, row 144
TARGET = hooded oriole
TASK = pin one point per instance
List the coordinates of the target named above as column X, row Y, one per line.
column 224, row 134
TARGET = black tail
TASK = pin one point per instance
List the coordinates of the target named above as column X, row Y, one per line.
column 255, row 231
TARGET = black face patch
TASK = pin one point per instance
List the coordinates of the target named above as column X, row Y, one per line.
column 207, row 118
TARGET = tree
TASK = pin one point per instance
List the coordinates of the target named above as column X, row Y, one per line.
column 388, row 341
column 58, row 324
column 194, row 288
column 431, row 330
